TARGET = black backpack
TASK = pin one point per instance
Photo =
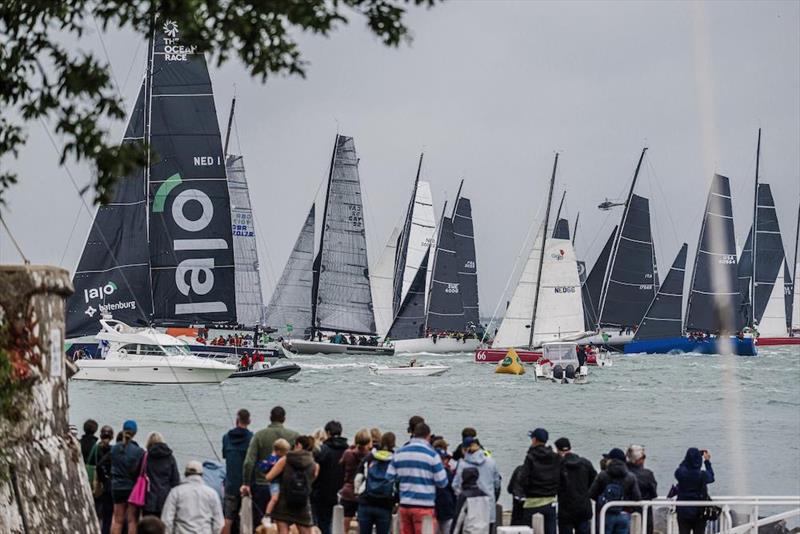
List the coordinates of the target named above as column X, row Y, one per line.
column 295, row 488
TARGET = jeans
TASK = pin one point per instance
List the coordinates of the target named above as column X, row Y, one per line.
column 411, row 519
column 582, row 527
column 368, row 516
column 619, row 523
column 260, row 494
column 549, row 513
column 323, row 517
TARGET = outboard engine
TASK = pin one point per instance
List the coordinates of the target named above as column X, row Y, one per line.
column 570, row 372
column 558, row 373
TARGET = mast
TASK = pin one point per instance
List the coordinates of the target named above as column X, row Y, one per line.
column 458, row 195
column 148, row 110
column 755, row 235
column 575, row 228
column 228, row 133
column 618, row 237
column 541, row 255
column 315, row 274
column 433, row 267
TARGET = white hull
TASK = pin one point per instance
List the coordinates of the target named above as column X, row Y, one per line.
column 154, row 370
column 422, row 370
column 298, row 346
column 445, row 345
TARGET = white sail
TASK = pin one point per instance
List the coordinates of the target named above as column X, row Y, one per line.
column 773, row 321
column 421, row 235
column 796, row 298
column 249, row 299
column 381, row 277
column 559, row 312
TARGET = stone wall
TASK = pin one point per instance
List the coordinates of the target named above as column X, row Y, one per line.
column 43, row 482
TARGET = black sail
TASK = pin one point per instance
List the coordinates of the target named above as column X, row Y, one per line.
column 588, row 322
column 289, row 308
column 594, row 282
column 445, row 308
column 342, row 291
column 714, row 299
column 561, row 231
column 769, row 254
column 113, row 274
column 464, row 235
column 788, row 293
column 191, row 244
column 630, row 286
column 744, row 274
column 401, row 252
column 663, row 318
column 409, row 323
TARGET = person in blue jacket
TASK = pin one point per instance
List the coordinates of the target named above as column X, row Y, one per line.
column 234, row 449
column 126, row 460
column 692, row 486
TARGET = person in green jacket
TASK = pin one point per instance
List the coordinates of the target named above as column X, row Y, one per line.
column 259, row 449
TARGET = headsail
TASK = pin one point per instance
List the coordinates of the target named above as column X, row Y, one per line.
column 113, row 274
column 561, row 231
column 463, row 233
column 769, row 254
column 409, row 323
column 594, row 282
column 289, row 309
column 445, row 308
column 381, row 278
column 342, row 296
column 714, row 299
column 788, row 290
column 773, row 318
column 664, row 317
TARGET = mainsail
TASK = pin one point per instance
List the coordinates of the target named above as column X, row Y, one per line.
column 381, row 278
column 663, row 318
column 289, row 309
column 593, row 286
column 409, row 323
column 162, row 251
column 342, row 299
column 714, row 299
column 445, row 308
column 773, row 318
column 561, row 231
column 249, row 300
column 463, row 233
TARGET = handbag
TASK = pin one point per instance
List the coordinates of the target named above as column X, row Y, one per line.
column 139, row 492
column 709, row 513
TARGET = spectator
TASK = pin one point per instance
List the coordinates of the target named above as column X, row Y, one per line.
column 648, row 486
column 297, row 471
column 377, row 500
column 150, row 524
column 351, row 460
column 574, row 505
column 541, row 475
column 693, row 484
column 473, row 504
column 101, row 459
column 162, row 472
column 324, row 493
column 488, row 475
column 192, row 507
column 445, row 497
column 88, row 439
column 615, row 483
column 516, row 487
column 126, row 457
column 234, row 449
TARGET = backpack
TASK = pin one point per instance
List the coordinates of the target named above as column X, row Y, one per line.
column 378, row 484
column 295, row 488
column 613, row 492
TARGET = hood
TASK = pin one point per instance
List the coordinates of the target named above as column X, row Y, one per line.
column 159, row 450
column 382, row 456
column 693, row 458
column 469, row 477
column 337, row 442
column 616, row 469
column 571, row 461
column 209, row 465
column 299, row 459
column 237, row 435
column 543, row 454
column 475, row 458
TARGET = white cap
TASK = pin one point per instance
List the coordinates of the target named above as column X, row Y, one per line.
column 194, row 468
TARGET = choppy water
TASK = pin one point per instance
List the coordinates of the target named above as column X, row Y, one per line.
column 666, row 403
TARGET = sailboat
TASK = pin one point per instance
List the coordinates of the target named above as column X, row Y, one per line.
column 762, row 270
column 341, row 298
column 161, row 253
column 546, row 305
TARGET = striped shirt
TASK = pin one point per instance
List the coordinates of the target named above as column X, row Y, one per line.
column 419, row 470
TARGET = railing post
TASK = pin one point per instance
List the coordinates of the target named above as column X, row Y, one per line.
column 337, row 525
column 498, row 514
column 427, row 524
column 246, row 516
column 754, row 519
column 537, row 523
column 636, row 523
column 646, row 518
column 395, row 523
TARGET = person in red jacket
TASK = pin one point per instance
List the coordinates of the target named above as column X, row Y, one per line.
column 351, row 459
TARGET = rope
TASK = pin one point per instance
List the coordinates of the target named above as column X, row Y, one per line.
column 14, row 241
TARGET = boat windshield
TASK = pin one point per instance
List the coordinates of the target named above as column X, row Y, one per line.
column 175, row 350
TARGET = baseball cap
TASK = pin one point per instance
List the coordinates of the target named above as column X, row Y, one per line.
column 540, row 434
column 563, row 444
column 615, row 454
column 130, row 425
column 194, row 468
column 467, row 441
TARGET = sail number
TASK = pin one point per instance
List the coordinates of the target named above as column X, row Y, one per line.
column 207, row 161
column 355, row 218
column 564, row 289
column 727, row 259
column 469, row 264
column 451, row 288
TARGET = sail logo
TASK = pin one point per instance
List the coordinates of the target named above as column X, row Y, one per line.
column 192, row 275
column 451, row 288
column 171, row 28
column 727, row 259
column 559, row 256
column 173, row 50
column 564, row 289
column 99, row 292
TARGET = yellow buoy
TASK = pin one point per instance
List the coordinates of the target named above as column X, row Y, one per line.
column 510, row 365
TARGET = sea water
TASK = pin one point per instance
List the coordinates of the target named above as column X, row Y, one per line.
column 666, row 403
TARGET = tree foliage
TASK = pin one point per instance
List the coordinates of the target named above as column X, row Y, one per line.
column 40, row 78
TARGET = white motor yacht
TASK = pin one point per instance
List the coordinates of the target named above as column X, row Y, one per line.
column 147, row 356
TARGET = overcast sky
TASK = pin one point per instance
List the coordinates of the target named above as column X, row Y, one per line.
column 489, row 90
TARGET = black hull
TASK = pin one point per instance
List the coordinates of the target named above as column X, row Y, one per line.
column 281, row 372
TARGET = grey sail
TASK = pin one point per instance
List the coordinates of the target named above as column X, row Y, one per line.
column 593, row 286
column 788, row 293
column 561, row 231
column 409, row 323
column 769, row 254
column 714, row 303
column 342, row 297
column 630, row 285
column 249, row 299
column 663, row 318
column 588, row 322
column 744, row 274
column 289, row 309
column 445, row 308
column 464, row 236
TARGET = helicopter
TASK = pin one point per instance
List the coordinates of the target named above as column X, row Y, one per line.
column 608, row 204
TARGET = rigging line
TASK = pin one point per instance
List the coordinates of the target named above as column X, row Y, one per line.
column 14, row 241
column 69, row 239
column 664, row 197
column 133, row 62
column 110, row 65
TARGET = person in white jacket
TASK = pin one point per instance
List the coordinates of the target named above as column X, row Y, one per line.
column 192, row 507
column 472, row 510
column 489, row 480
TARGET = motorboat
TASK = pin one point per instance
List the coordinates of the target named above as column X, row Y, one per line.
column 559, row 363
column 412, row 369
column 301, row 346
column 277, row 371
column 147, row 356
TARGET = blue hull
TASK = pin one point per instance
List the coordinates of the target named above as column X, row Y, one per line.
column 679, row 345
